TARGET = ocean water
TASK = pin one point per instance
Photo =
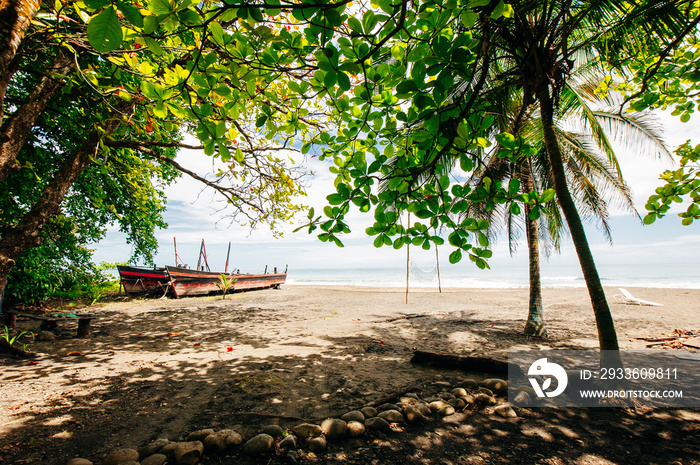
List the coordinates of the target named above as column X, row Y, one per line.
column 561, row 277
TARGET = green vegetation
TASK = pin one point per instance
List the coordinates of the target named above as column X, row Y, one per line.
column 5, row 335
column 680, row 184
column 225, row 283
column 96, row 99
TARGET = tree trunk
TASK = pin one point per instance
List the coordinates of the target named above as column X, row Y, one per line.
column 27, row 233
column 16, row 128
column 535, row 325
column 607, row 336
column 15, row 18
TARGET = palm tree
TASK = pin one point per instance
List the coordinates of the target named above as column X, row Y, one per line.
column 540, row 44
column 593, row 171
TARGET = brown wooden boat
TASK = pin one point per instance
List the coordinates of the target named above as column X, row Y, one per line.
column 184, row 281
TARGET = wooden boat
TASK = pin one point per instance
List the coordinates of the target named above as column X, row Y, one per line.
column 184, row 281
column 141, row 280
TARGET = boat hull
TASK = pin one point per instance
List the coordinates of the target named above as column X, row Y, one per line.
column 186, row 282
column 142, row 280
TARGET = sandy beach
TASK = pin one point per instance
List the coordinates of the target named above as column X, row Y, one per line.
column 162, row 367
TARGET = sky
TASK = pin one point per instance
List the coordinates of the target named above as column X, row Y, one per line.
column 194, row 214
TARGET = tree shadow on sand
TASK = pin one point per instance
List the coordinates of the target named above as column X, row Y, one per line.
column 177, row 375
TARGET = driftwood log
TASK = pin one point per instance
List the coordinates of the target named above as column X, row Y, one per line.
column 463, row 362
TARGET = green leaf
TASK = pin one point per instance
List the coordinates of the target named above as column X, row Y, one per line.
column 217, row 32
column 96, row 4
column 502, row 9
column 547, row 196
column 104, row 31
column 131, row 13
column 159, row 7
column 406, row 88
column 355, row 24
column 329, row 79
column 455, row 256
column 343, row 81
column 369, row 21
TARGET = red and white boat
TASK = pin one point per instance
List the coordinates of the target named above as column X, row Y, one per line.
column 185, row 282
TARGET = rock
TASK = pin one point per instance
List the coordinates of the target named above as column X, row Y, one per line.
column 292, row 457
column 485, row 390
column 290, row 442
column 273, row 430
column 119, row 456
column 368, row 412
column 215, row 442
column 130, row 462
column 153, row 448
column 259, row 445
column 423, row 409
column 437, row 405
column 408, row 400
column 188, row 453
column 505, row 411
column 469, row 383
column 458, row 404
column 231, row 437
column 447, row 410
column 412, row 415
column 522, row 398
column 485, row 399
column 446, row 396
column 169, row 448
column 499, row 386
column 353, row 415
column 155, row 459
column 307, row 430
column 47, row 336
column 377, row 423
column 442, row 383
column 200, row 435
column 79, row 461
column 527, row 389
column 469, row 399
column 392, row 416
column 334, row 428
column 385, row 407
column 355, row 429
column 459, row 392
column 317, row 444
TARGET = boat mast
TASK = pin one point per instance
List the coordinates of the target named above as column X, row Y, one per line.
column 227, row 256
column 178, row 260
column 202, row 254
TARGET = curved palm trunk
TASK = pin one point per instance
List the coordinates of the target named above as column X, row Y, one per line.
column 535, row 325
column 607, row 336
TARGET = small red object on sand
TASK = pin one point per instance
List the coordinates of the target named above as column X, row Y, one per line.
column 32, row 363
column 230, row 349
column 198, row 343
